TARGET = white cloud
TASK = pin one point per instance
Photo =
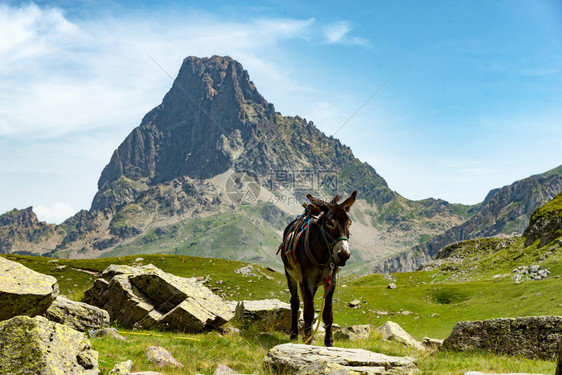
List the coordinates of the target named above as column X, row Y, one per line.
column 338, row 32
column 60, row 76
column 55, row 213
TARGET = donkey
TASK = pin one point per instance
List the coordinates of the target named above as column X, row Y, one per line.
column 314, row 246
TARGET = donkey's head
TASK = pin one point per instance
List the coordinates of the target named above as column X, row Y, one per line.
column 334, row 225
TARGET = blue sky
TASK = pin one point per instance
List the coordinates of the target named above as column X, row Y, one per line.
column 478, row 105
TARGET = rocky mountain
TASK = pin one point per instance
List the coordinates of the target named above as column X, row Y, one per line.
column 522, row 256
column 169, row 186
column 506, row 210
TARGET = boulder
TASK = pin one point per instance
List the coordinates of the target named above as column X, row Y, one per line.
column 161, row 357
column 39, row 346
column 77, row 315
column 393, row 332
column 292, row 358
column 357, row 332
column 24, row 291
column 265, row 314
column 122, row 368
column 532, row 337
column 147, row 297
column 355, row 304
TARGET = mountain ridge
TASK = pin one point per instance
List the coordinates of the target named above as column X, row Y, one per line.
column 504, row 210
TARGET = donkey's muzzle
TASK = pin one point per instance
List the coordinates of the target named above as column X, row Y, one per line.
column 341, row 252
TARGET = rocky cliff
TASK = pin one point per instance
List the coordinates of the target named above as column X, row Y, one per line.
column 506, row 210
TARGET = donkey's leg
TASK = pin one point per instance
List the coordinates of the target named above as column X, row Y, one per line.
column 308, row 314
column 328, row 315
column 293, row 288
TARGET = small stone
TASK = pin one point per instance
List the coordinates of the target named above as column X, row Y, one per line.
column 61, row 267
column 161, row 357
column 355, row 304
column 391, row 286
column 140, row 259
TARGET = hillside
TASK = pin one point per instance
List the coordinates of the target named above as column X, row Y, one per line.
column 522, row 258
column 504, row 211
column 167, row 188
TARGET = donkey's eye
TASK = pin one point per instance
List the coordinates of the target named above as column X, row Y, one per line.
column 331, row 223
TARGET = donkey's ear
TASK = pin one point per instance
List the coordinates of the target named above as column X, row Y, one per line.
column 349, row 201
column 316, row 201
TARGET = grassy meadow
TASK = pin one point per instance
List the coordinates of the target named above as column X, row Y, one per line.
column 424, row 304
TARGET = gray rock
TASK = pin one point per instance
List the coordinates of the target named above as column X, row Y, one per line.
column 161, row 357
column 147, row 297
column 393, row 332
column 224, row 370
column 39, row 346
column 106, row 332
column 24, row 291
column 265, row 314
column 292, row 358
column 122, row 368
column 77, row 315
column 391, row 286
column 357, row 332
column 355, row 304
column 531, row 337
column 430, row 343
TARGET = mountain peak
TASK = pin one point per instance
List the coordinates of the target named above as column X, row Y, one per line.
column 214, row 119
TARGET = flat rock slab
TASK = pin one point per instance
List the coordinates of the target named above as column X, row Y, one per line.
column 24, row 291
column 38, row 346
column 295, row 357
column 77, row 315
column 531, row 337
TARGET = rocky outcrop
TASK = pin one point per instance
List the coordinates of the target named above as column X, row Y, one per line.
column 22, row 232
column 77, row 315
column 38, row 346
column 148, row 297
column 531, row 337
column 393, row 332
column 293, row 358
column 265, row 314
column 24, row 291
column 504, row 210
column 546, row 223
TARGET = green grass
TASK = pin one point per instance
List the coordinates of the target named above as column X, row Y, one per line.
column 435, row 307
